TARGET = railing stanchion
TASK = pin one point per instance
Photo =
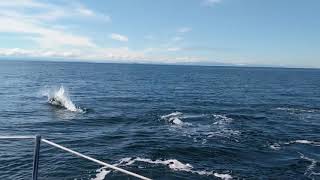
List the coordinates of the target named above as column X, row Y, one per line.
column 36, row 158
column 38, row 139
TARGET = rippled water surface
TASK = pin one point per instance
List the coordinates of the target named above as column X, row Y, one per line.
column 163, row 122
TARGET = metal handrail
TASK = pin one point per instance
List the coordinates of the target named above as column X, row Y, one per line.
column 17, row 137
column 38, row 139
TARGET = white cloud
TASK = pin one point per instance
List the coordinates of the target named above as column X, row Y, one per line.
column 150, row 50
column 177, row 38
column 184, row 29
column 210, row 2
column 33, row 19
column 184, row 59
column 119, row 37
column 37, row 53
column 86, row 12
column 123, row 54
column 47, row 11
column 45, row 37
column 174, row 49
column 20, row 3
column 149, row 37
column 38, row 22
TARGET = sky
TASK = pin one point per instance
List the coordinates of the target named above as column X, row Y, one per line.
column 240, row 32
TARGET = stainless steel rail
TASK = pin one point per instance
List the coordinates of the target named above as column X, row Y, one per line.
column 38, row 140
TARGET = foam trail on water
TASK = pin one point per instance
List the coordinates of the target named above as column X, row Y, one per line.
column 302, row 141
column 277, row 146
column 223, row 176
column 296, row 110
column 221, row 119
column 310, row 169
column 101, row 174
column 176, row 166
column 171, row 163
column 104, row 171
column 218, row 126
column 59, row 97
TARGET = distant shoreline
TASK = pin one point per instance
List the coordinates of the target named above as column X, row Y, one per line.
column 194, row 64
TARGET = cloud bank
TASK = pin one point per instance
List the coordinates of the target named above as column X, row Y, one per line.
column 40, row 24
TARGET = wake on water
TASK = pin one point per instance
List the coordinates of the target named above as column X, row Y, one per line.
column 173, row 164
column 59, row 97
column 215, row 125
column 176, row 119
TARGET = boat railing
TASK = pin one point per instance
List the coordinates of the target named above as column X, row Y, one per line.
column 38, row 139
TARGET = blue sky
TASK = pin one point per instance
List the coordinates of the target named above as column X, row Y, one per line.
column 257, row 32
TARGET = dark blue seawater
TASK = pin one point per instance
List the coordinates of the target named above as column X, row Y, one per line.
column 164, row 122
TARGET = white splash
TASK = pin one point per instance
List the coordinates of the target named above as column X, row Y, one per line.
column 101, row 173
column 174, row 118
column 171, row 114
column 275, row 146
column 59, row 97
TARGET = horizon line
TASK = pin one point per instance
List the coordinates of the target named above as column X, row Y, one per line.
column 195, row 63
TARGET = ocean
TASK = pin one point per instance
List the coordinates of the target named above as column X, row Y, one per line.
column 160, row 121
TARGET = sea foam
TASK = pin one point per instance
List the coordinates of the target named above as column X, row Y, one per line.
column 277, row 146
column 303, row 141
column 173, row 164
column 310, row 169
column 306, row 142
column 296, row 110
column 210, row 126
column 101, row 174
